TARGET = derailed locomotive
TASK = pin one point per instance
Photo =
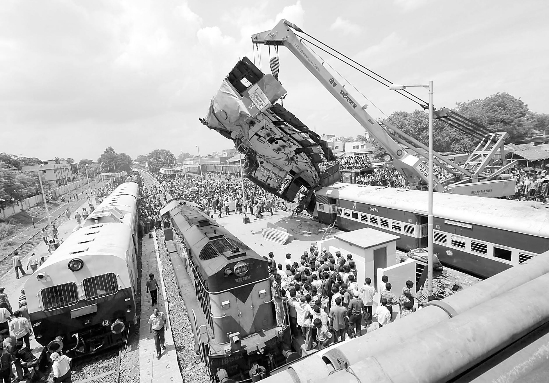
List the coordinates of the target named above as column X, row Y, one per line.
column 85, row 291
column 227, row 291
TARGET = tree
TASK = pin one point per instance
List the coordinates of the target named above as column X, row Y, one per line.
column 108, row 160
column 445, row 138
column 10, row 160
column 141, row 159
column 123, row 162
column 70, row 160
column 500, row 112
column 159, row 158
column 183, row 156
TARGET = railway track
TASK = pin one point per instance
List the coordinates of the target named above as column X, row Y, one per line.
column 104, row 368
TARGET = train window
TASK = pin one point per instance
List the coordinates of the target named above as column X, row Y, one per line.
column 100, row 285
column 364, row 217
column 502, row 253
column 373, row 220
column 478, row 247
column 439, row 238
column 396, row 226
column 409, row 229
column 458, row 242
column 384, row 223
column 523, row 257
column 354, row 214
column 339, row 211
column 59, row 296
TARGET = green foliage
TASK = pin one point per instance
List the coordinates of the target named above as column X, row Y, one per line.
column 160, row 158
column 7, row 230
column 445, row 138
column 10, row 161
column 183, row 156
column 114, row 162
column 17, row 185
column 500, row 112
column 142, row 159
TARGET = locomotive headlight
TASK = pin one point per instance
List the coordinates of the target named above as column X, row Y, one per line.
column 262, row 293
column 241, row 268
column 76, row 264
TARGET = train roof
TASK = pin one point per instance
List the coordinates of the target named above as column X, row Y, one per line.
column 119, row 206
column 101, row 239
column 525, row 217
column 215, row 246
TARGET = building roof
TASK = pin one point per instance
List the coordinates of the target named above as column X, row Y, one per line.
column 366, row 238
column 533, row 154
column 236, row 158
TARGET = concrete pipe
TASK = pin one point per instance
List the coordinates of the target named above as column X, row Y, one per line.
column 524, row 361
column 399, row 331
column 450, row 348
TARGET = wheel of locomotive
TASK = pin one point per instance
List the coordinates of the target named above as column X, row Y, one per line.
column 117, row 327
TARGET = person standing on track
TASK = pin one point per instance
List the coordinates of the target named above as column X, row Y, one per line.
column 152, row 288
column 32, row 262
column 157, row 323
column 16, row 261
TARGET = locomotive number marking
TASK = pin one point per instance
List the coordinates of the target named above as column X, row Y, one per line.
column 243, row 279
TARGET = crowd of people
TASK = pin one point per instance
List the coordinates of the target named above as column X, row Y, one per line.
column 221, row 193
column 15, row 349
column 324, row 301
column 356, row 162
column 383, row 176
column 531, row 184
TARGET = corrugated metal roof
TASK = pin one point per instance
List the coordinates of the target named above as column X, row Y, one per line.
column 533, row 154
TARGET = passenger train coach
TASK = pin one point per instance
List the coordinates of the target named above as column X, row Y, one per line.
column 481, row 236
column 85, row 291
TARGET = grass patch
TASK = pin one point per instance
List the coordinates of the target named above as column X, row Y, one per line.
column 7, row 230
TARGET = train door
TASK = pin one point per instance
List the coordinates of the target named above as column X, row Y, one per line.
column 423, row 240
column 380, row 261
column 326, row 209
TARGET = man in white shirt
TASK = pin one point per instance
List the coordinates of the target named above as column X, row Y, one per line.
column 368, row 293
column 157, row 323
column 4, row 316
column 61, row 367
column 382, row 313
column 20, row 327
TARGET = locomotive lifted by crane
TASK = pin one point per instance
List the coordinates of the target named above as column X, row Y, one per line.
column 246, row 111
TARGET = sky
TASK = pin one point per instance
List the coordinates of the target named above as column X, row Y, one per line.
column 79, row 76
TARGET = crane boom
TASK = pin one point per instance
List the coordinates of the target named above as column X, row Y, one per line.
column 412, row 167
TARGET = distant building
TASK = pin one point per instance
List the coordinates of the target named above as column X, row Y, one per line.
column 359, row 147
column 57, row 174
column 229, row 153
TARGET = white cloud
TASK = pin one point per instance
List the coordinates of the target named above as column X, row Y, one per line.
column 345, row 26
column 409, row 5
column 213, row 36
column 385, row 51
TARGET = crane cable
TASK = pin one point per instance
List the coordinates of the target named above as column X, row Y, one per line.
column 376, row 77
column 466, row 128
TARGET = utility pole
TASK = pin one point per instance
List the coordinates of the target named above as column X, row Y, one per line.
column 44, row 196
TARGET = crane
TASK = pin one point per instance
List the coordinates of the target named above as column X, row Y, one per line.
column 406, row 152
